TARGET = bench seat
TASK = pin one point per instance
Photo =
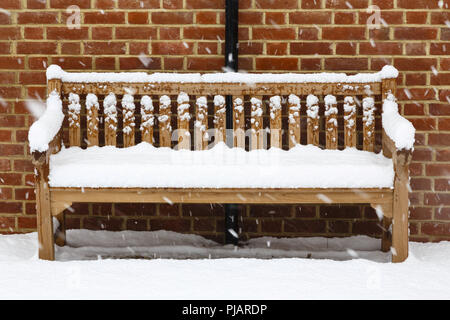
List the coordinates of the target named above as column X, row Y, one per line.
column 144, row 166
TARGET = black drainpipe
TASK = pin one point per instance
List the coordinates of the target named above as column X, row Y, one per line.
column 231, row 64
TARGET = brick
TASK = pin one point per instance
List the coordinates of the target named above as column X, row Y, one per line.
column 310, row 64
column 310, row 48
column 56, row 33
column 101, row 33
column 138, row 4
column 172, row 48
column 439, row 109
column 12, row 62
column 273, row 211
column 5, row 164
column 70, row 48
column 371, row 228
column 384, row 4
column 416, row 94
column 101, row 223
column 104, row 47
column 436, row 199
column 169, row 33
column 271, row 226
column 445, row 34
column 338, row 227
column 445, row 64
column 205, row 4
column 343, row 33
column 36, row 4
column 37, row 17
column 74, row 62
column 442, row 184
column 413, row 64
column 414, row 17
column 211, row 48
column 6, row 194
column 417, row 4
column 273, row 33
column 137, row 224
column 345, row 18
column 276, row 4
column 339, row 211
column 420, row 184
column 138, row 17
column 63, row 4
column 444, row 124
column 204, row 64
column 12, row 121
column 7, row 222
column 136, row 63
column 442, row 170
column 103, row 63
column 139, row 48
column 172, row 4
column 36, row 47
column 346, row 48
column 441, row 79
column 24, row 194
column 416, row 49
column 347, row 4
column 275, row 18
column 208, row 17
column 420, row 213
column 11, row 4
column 172, row 17
column 346, row 64
column 388, row 17
column 442, row 213
column 178, row 224
column 10, row 207
column 105, row 4
column 202, row 210
column 415, row 79
column 104, row 18
column 204, row 33
column 34, row 33
column 380, row 48
column 308, row 34
column 32, row 77
column 173, row 63
column 277, row 48
column 305, row 226
column 12, row 33
column 434, row 228
column 309, row 17
column 415, row 33
column 205, row 224
column 276, row 63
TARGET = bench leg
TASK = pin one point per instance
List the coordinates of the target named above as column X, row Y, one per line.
column 44, row 218
column 400, row 221
column 60, row 236
column 386, row 241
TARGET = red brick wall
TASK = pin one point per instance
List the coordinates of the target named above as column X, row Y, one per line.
column 281, row 35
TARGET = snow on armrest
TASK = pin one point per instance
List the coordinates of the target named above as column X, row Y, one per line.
column 400, row 130
column 47, row 126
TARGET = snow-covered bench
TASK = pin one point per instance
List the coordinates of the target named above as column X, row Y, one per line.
column 127, row 121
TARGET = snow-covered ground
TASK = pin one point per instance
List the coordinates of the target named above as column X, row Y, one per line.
column 346, row 268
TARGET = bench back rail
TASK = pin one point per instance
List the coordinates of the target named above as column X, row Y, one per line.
column 192, row 115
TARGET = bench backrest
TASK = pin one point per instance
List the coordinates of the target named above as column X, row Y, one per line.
column 187, row 111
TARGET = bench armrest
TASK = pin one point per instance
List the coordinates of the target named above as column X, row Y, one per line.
column 43, row 131
column 397, row 128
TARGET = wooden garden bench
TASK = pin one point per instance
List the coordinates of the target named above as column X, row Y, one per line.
column 292, row 111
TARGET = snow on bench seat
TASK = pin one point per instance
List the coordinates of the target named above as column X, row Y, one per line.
column 144, row 166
